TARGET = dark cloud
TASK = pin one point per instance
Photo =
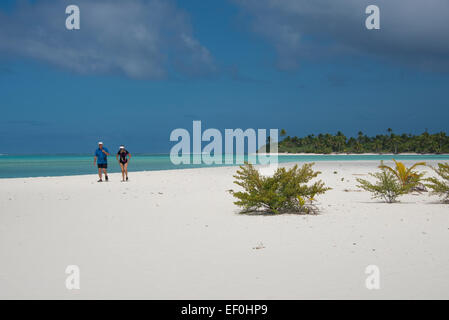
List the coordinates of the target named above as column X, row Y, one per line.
column 139, row 39
column 413, row 32
column 32, row 123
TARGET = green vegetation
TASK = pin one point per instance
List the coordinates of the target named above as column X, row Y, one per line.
column 440, row 187
column 387, row 187
column 393, row 182
column 406, row 176
column 387, row 143
column 284, row 192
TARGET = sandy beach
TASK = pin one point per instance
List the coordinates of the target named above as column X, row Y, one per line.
column 177, row 235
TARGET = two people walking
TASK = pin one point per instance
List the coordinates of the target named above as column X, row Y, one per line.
column 101, row 160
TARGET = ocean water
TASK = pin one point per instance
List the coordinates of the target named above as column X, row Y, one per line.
column 20, row 166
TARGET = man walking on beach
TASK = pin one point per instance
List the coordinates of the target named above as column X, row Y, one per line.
column 101, row 159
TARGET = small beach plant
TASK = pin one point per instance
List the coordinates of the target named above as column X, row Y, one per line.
column 406, row 176
column 287, row 191
column 387, row 187
column 440, row 187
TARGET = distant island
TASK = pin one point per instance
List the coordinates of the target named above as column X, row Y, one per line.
column 326, row 143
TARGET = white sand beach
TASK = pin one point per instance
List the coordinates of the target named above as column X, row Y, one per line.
column 177, row 235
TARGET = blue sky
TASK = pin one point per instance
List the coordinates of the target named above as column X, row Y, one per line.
column 306, row 66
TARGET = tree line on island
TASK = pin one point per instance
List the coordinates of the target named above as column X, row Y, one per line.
column 381, row 143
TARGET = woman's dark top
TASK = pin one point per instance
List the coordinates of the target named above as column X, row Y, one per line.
column 123, row 156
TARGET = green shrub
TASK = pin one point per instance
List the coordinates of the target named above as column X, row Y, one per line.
column 387, row 187
column 285, row 191
column 440, row 187
column 405, row 175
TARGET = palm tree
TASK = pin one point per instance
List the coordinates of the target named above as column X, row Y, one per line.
column 283, row 132
column 360, row 136
column 393, row 148
column 340, row 141
column 405, row 175
column 377, row 145
column 394, row 142
column 268, row 144
column 441, row 136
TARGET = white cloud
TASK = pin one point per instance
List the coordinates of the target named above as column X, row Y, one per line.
column 136, row 38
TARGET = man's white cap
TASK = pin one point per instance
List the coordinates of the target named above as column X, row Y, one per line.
column 100, row 142
column 122, row 147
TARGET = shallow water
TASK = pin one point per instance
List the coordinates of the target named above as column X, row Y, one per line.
column 19, row 166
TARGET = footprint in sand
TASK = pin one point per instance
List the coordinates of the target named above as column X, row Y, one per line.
column 259, row 246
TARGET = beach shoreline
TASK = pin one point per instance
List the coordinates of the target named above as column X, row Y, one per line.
column 354, row 154
column 176, row 234
column 50, row 166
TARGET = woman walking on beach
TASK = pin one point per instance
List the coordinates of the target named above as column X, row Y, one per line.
column 123, row 157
